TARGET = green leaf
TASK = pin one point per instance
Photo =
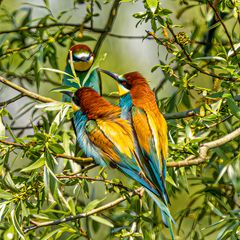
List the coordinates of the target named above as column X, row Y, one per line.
column 59, row 118
column 39, row 163
column 85, row 38
column 2, row 210
column 52, row 106
column 56, row 148
column 152, row 4
column 215, row 210
column 49, row 235
column 235, row 110
column 16, row 224
column 210, row 58
column 102, row 220
column 57, row 71
column 64, row 89
column 170, row 180
column 7, row 180
column 92, row 205
column 2, row 129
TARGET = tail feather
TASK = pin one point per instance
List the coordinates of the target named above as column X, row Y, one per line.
column 166, row 215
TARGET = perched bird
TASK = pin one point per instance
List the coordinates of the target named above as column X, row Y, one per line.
column 108, row 139
column 139, row 107
column 83, row 59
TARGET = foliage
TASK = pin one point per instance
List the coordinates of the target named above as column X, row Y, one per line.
column 199, row 56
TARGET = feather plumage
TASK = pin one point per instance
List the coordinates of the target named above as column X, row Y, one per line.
column 139, row 107
column 103, row 135
column 83, row 59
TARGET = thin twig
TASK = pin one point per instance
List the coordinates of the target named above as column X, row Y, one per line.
column 108, row 27
column 203, row 150
column 36, row 44
column 192, row 160
column 83, row 215
column 79, row 160
column 26, row 92
column 91, row 179
column 225, row 29
column 189, row 113
column 11, row 100
column 190, row 61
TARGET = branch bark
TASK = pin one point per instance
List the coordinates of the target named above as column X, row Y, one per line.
column 203, row 150
column 190, row 161
column 108, row 27
column 80, row 160
column 225, row 28
column 86, row 214
column 26, row 92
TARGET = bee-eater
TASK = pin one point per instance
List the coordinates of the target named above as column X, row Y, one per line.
column 108, row 139
column 83, row 58
column 139, row 107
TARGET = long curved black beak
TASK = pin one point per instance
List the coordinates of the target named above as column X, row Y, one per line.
column 70, row 94
column 113, row 75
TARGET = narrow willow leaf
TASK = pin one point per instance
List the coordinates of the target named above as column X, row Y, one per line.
column 39, row 163
column 152, row 4
column 215, row 210
column 2, row 210
column 57, row 71
column 170, row 180
column 102, row 220
column 93, row 204
column 64, row 89
column 50, row 106
column 235, row 110
column 56, row 148
column 7, row 180
column 49, row 235
column 210, row 58
column 16, row 224
column 59, row 118
column 2, row 129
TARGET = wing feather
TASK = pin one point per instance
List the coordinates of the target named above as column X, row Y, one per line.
column 152, row 140
column 115, row 142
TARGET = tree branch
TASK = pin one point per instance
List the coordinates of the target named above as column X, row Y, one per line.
column 79, row 160
column 225, row 28
column 26, row 92
column 189, row 113
column 93, row 180
column 203, row 150
column 86, row 214
column 11, row 100
column 190, row 61
column 192, row 160
column 108, row 27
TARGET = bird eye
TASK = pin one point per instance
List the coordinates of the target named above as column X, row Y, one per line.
column 76, row 100
column 124, row 83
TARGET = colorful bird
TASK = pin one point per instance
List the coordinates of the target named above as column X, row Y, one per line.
column 138, row 106
column 108, row 139
column 83, row 59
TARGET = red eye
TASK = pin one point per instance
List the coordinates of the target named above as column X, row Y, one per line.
column 124, row 83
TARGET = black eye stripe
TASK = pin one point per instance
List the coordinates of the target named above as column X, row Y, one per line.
column 125, row 84
column 76, row 100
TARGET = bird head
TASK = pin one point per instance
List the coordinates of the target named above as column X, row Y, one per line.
column 75, row 102
column 92, row 104
column 82, row 57
column 123, row 86
column 127, row 81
